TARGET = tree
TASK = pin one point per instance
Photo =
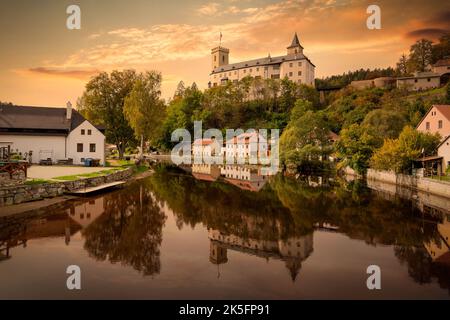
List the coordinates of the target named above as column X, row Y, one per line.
column 103, row 101
column 402, row 65
column 305, row 142
column 441, row 50
column 356, row 145
column 179, row 92
column 398, row 154
column 386, row 123
column 420, row 55
column 144, row 108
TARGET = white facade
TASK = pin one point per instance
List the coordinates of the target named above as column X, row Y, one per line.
column 42, row 147
column 294, row 65
column 93, row 142
column 444, row 152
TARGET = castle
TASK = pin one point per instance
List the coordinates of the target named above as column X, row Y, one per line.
column 294, row 65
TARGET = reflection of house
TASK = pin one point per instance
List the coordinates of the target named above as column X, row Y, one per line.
column 52, row 226
column 56, row 133
column 440, row 251
column 86, row 212
column 292, row 251
column 206, row 172
column 247, row 178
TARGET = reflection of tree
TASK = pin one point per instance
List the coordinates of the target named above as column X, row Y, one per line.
column 225, row 207
column 129, row 232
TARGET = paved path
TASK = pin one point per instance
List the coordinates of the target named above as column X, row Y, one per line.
column 49, row 172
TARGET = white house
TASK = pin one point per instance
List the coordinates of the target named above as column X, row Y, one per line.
column 444, row 152
column 206, row 148
column 39, row 133
column 245, row 145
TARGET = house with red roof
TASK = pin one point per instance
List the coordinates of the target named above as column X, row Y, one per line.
column 437, row 119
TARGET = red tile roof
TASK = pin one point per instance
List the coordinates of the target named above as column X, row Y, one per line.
column 444, row 109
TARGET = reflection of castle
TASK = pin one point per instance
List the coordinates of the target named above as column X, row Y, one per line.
column 292, row 250
column 439, row 250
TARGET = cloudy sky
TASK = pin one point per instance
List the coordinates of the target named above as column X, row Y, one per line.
column 44, row 63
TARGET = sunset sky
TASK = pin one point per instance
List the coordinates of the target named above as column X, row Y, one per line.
column 44, row 63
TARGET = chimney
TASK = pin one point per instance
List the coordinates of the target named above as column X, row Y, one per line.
column 69, row 111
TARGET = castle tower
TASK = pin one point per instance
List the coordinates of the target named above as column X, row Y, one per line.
column 219, row 57
column 217, row 253
column 295, row 47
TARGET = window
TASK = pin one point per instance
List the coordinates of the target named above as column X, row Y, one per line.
column 215, row 58
column 89, row 132
column 82, row 132
column 250, row 70
column 82, row 159
column 257, row 69
column 415, row 80
column 275, row 76
column 299, row 64
column 440, row 124
column 245, row 71
column 291, row 65
column 427, row 125
column 79, row 147
column 290, row 74
column 428, row 79
column 299, row 73
column 92, row 147
column 223, row 58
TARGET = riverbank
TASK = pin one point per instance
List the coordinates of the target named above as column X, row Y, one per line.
column 14, row 195
column 427, row 185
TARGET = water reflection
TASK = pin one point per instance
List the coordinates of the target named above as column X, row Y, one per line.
column 273, row 218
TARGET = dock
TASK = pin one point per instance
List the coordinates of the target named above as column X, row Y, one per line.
column 102, row 187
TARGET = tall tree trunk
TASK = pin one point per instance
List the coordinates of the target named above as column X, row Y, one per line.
column 121, row 149
column 141, row 153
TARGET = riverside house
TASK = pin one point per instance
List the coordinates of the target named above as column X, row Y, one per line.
column 51, row 134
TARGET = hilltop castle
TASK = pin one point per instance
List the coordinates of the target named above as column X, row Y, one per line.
column 294, row 65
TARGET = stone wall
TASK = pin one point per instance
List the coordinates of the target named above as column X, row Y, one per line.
column 23, row 193
column 440, row 188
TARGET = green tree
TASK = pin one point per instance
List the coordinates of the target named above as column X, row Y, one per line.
column 387, row 123
column 398, row 154
column 143, row 107
column 356, row 145
column 305, row 142
column 103, row 101
column 402, row 65
column 420, row 55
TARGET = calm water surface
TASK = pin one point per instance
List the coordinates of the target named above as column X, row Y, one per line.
column 211, row 234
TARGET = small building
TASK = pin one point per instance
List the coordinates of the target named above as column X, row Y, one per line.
column 420, row 81
column 437, row 120
column 442, row 66
column 206, row 148
column 52, row 134
column 247, row 145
